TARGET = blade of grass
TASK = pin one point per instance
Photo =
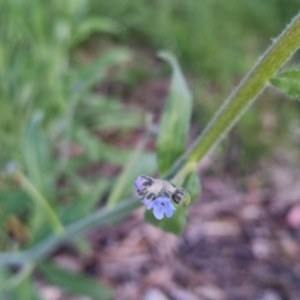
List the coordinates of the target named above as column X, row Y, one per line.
column 40, row 200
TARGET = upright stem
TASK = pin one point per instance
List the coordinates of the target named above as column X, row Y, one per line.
column 237, row 103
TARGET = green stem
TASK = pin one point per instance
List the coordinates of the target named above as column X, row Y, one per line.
column 245, row 94
column 187, row 168
column 40, row 200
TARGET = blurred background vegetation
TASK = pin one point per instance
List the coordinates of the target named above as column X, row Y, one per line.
column 68, row 73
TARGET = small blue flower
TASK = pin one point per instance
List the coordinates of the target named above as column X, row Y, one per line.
column 162, row 205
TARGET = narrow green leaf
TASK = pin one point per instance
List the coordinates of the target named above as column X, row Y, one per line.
column 37, row 156
column 75, row 283
column 42, row 204
column 288, row 82
column 39, row 183
column 176, row 223
column 175, row 121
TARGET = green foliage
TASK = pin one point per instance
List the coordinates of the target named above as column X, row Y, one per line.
column 238, row 102
column 47, row 103
column 171, row 141
column 288, row 82
column 37, row 159
column 175, row 121
column 39, row 166
column 75, row 283
column 217, row 40
column 52, row 56
column 35, row 67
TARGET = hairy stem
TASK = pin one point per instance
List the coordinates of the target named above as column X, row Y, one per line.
column 245, row 94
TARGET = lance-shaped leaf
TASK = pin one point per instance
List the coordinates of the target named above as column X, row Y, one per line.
column 288, row 82
column 175, row 121
column 37, row 156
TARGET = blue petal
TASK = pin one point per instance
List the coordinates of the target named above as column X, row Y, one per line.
column 161, row 205
column 158, row 212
